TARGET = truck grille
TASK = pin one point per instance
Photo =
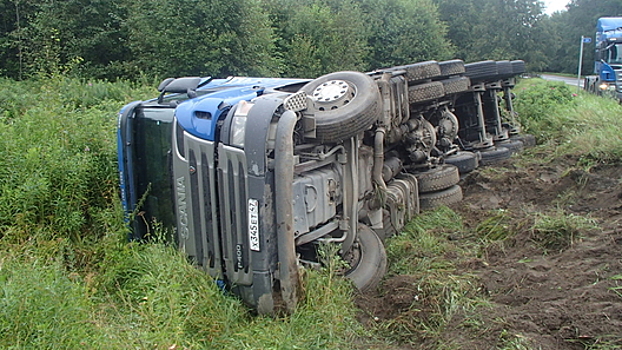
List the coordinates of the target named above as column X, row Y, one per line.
column 233, row 189
column 195, row 194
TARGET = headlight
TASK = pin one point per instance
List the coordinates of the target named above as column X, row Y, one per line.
column 607, row 86
column 238, row 124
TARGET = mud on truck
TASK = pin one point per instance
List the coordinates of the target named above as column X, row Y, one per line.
column 252, row 175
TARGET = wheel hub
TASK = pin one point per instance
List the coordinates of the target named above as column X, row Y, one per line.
column 333, row 93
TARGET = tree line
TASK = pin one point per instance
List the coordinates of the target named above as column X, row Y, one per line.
column 112, row 39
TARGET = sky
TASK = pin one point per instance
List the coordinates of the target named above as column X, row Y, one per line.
column 555, row 5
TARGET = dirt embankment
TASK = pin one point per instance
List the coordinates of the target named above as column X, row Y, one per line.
column 556, row 296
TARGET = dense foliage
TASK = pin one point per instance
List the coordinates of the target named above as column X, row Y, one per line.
column 126, row 39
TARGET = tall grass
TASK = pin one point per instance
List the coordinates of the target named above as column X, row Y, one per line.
column 57, row 163
column 572, row 122
column 41, row 307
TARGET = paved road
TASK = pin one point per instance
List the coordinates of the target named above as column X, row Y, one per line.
column 569, row 81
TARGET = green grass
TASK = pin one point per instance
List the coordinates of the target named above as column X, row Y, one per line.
column 571, row 123
column 559, row 230
column 426, row 253
column 148, row 296
column 69, row 279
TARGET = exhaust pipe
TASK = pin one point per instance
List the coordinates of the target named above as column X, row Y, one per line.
column 283, row 193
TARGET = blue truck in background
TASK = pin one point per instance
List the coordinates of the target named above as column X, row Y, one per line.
column 607, row 59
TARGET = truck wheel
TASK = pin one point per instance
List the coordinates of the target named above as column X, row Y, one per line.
column 368, row 260
column 494, row 155
column 514, row 145
column 425, row 92
column 464, row 161
column 437, row 179
column 518, row 67
column 428, row 201
column 528, row 139
column 504, row 69
column 451, row 67
column 420, row 71
column 456, row 85
column 481, row 70
column 347, row 103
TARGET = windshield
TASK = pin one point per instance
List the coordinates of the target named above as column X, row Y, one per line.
column 613, row 54
column 152, row 169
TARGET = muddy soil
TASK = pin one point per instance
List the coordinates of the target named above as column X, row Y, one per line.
column 555, row 297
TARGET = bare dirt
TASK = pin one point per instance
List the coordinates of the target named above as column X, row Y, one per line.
column 562, row 296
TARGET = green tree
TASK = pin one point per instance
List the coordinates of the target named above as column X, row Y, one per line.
column 524, row 32
column 464, row 26
column 317, row 37
column 406, row 31
column 49, row 36
column 14, row 15
column 498, row 30
column 200, row 37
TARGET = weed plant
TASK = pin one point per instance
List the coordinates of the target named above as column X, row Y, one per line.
column 423, row 243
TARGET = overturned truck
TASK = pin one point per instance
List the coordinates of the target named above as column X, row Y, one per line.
column 252, row 176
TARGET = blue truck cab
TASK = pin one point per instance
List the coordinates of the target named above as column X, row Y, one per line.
column 179, row 153
column 247, row 176
column 607, row 58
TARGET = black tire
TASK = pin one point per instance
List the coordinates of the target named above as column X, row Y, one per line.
column 518, row 67
column 463, row 160
column 425, row 92
column 504, row 69
column 527, row 139
column 456, row 85
column 353, row 109
column 369, row 263
column 451, row 67
column 420, row 71
column 482, row 70
column 514, row 145
column 437, row 179
column 428, row 201
column 494, row 155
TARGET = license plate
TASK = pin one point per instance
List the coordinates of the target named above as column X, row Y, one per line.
column 253, row 224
